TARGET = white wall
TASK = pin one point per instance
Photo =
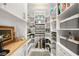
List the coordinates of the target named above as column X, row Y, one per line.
column 20, row 26
column 21, row 29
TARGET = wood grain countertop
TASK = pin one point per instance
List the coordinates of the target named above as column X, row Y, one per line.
column 13, row 46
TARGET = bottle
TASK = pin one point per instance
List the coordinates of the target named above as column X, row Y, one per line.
column 71, row 36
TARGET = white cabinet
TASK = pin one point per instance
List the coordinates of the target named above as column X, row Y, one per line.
column 67, row 21
column 21, row 51
column 14, row 10
column 17, row 8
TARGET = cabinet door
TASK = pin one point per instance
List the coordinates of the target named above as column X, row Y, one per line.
column 16, row 8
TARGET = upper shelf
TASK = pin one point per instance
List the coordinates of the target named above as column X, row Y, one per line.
column 70, row 18
column 69, row 11
column 4, row 12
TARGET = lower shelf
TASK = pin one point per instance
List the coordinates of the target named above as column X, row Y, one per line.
column 71, row 40
column 71, row 46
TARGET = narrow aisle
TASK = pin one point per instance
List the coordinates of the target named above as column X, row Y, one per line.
column 39, row 29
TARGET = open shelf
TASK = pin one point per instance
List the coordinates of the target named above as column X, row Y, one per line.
column 67, row 9
column 69, row 29
column 70, row 18
column 74, row 41
column 68, row 22
column 62, row 37
column 71, row 40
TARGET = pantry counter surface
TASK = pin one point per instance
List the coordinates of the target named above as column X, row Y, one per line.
column 13, row 46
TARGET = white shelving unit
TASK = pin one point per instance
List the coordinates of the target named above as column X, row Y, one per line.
column 53, row 28
column 67, row 21
column 67, row 10
column 53, row 25
column 46, row 13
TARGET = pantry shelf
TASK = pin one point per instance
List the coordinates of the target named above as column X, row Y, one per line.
column 70, row 18
column 69, row 29
column 74, row 41
column 71, row 40
column 67, row 10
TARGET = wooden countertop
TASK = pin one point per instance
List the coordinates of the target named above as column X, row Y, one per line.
column 14, row 46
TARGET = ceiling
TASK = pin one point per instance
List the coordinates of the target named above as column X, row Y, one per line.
column 39, row 6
